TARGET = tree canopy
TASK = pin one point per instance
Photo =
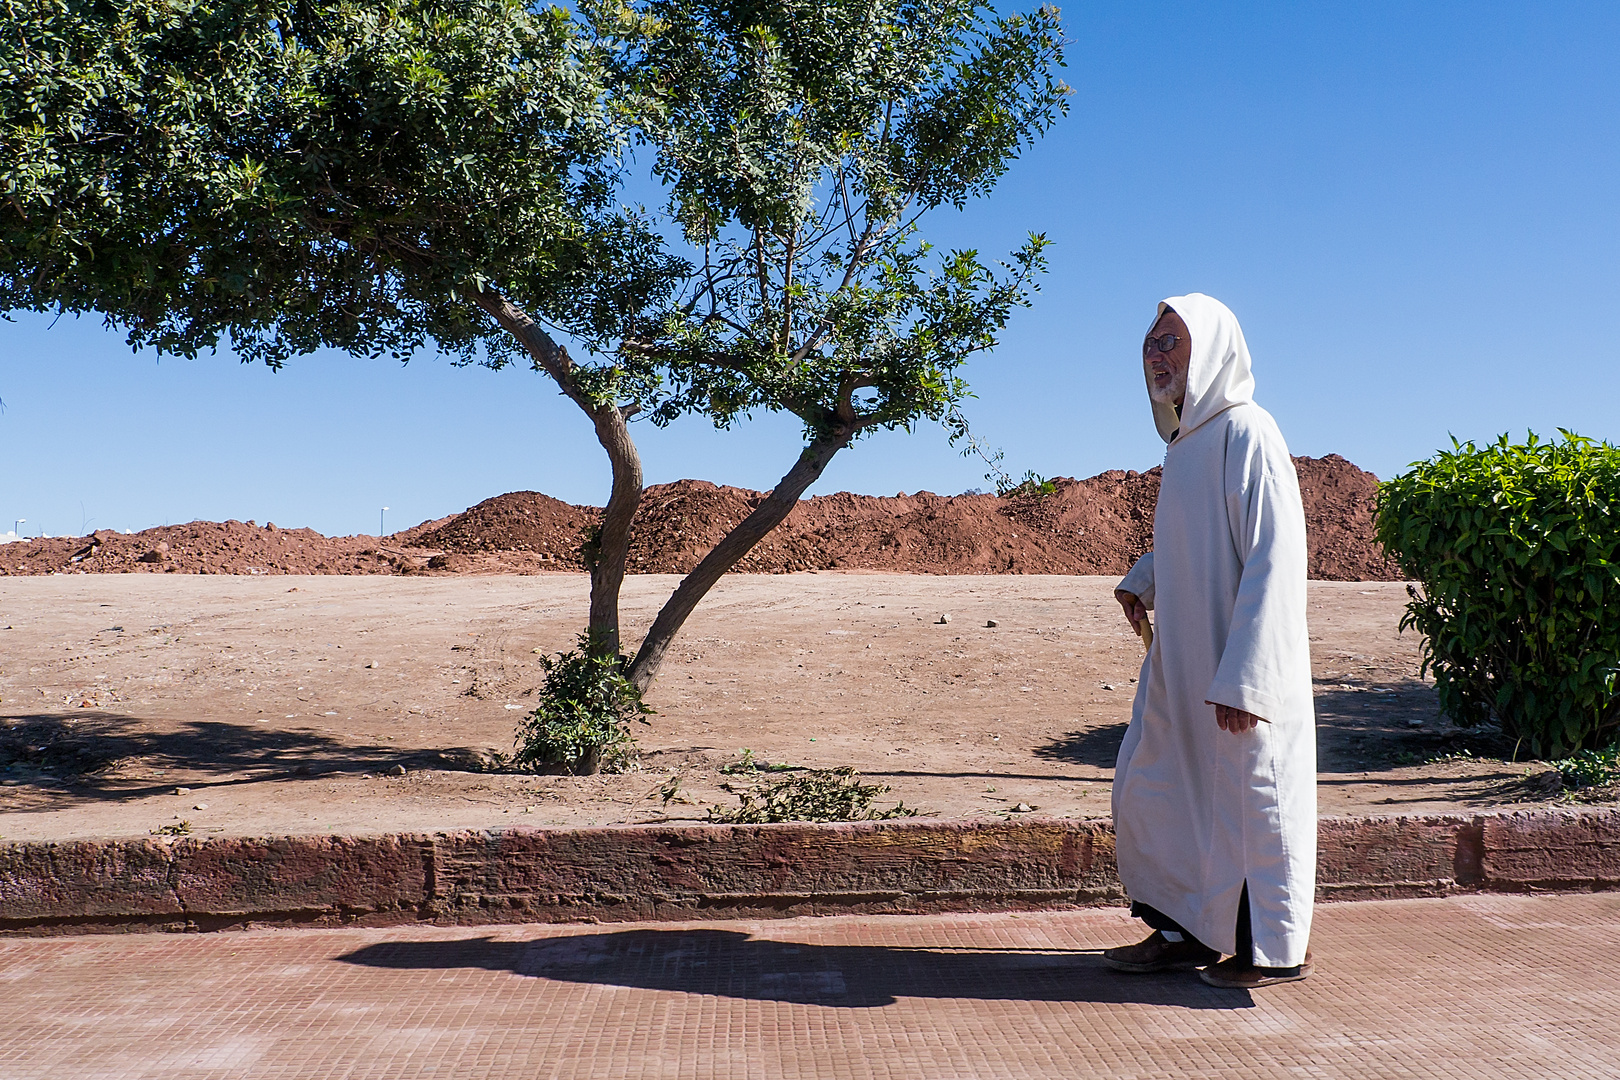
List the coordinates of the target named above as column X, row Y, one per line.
column 284, row 177
column 800, row 143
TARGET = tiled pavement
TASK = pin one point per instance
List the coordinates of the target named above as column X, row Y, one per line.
column 1480, row 986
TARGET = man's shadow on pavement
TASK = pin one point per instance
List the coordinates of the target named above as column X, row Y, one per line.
column 728, row 963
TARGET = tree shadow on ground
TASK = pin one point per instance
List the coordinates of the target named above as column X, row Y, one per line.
column 1098, row 746
column 728, row 963
column 1367, row 725
column 79, row 758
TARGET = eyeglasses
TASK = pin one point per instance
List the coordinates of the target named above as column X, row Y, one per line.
column 1164, row 343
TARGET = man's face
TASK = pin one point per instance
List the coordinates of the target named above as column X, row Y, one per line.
column 1167, row 371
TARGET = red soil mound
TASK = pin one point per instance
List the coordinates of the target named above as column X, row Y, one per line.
column 1095, row 526
column 201, row 547
column 1339, row 526
column 520, row 521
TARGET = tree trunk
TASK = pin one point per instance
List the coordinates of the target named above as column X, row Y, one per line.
column 611, row 421
column 613, row 541
column 728, row 552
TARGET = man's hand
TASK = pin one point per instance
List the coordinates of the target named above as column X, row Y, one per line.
column 1235, row 720
column 1135, row 610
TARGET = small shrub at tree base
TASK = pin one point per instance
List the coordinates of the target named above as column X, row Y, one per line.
column 583, row 720
column 1517, row 550
column 820, row 795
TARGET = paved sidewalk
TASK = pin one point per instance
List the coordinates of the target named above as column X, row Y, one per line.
column 1480, row 986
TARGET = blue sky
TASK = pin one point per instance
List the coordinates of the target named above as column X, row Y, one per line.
column 1411, row 207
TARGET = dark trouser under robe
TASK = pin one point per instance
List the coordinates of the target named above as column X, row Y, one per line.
column 1158, row 920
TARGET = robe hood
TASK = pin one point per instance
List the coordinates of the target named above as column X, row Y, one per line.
column 1218, row 376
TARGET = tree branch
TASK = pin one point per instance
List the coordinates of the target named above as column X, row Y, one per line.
column 546, row 353
column 729, row 551
column 612, row 548
column 845, row 404
column 869, row 238
column 764, row 280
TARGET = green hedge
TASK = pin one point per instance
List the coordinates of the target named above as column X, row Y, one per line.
column 1515, row 547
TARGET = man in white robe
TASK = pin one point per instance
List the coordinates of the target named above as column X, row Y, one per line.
column 1215, row 788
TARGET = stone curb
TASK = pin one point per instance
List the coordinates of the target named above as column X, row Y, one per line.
column 665, row 873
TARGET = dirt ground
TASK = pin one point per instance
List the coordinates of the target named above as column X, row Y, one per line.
column 289, row 705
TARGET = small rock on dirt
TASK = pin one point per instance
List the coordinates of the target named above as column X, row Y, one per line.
column 397, row 770
column 991, row 624
column 943, row 619
column 200, row 806
column 472, row 758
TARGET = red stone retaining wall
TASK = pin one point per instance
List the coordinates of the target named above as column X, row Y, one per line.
column 641, row 873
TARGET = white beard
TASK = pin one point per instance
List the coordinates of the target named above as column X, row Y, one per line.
column 1169, row 394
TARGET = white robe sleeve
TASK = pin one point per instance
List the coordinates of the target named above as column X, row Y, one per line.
column 1140, row 580
column 1258, row 666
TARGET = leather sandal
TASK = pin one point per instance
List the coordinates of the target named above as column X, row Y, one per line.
column 1234, row 974
column 1157, row 954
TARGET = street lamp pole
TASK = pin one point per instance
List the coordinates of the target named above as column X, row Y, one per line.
column 16, row 528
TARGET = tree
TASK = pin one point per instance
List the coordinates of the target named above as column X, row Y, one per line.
column 384, row 177
column 800, row 142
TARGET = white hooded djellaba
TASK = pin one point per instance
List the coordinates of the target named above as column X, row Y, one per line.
column 1199, row 811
